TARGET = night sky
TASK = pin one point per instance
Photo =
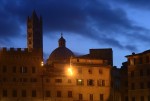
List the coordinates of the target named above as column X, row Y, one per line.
column 123, row 25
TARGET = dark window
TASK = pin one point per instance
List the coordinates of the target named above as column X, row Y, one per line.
column 90, row 71
column 25, row 79
column 101, row 82
column 142, row 98
column 91, row 97
column 90, row 82
column 14, row 69
column 14, row 93
column 69, row 93
column 148, row 72
column 132, row 73
column 80, row 82
column 140, row 60
column 101, row 97
column 148, row 84
column 141, row 72
column 58, row 80
column 48, row 94
column 80, row 70
column 47, row 80
column 148, row 98
column 133, row 98
column 4, row 69
column 33, row 69
column 147, row 59
column 69, row 80
column 23, row 93
column 126, row 84
column 33, row 80
column 100, row 71
column 132, row 86
column 134, row 61
column 23, row 69
column 33, row 93
column 126, row 98
column 80, row 96
column 14, row 80
column 141, row 85
column 4, row 79
column 77, row 60
column 58, row 93
column 5, row 93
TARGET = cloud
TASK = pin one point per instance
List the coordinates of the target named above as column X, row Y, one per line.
column 139, row 4
column 94, row 19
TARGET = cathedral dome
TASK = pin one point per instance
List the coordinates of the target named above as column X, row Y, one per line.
column 62, row 53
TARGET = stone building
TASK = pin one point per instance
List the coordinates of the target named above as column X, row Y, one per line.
column 138, row 76
column 78, row 78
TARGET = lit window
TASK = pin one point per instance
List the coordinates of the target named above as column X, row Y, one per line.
column 80, row 82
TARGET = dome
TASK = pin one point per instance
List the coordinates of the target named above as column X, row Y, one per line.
column 62, row 53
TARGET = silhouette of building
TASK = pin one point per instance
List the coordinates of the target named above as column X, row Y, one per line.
column 34, row 32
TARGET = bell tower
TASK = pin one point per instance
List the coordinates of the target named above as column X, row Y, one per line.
column 34, row 32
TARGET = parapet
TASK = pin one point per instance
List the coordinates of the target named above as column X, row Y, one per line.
column 4, row 49
column 11, row 49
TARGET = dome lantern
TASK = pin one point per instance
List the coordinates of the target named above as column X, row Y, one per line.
column 62, row 41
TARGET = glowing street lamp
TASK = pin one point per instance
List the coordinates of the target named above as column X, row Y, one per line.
column 42, row 63
column 70, row 71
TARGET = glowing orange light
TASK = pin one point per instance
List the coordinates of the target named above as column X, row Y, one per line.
column 70, row 71
column 42, row 63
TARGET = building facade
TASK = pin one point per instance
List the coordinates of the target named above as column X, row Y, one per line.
column 138, row 76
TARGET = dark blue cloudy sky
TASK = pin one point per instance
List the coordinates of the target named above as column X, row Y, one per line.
column 123, row 25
